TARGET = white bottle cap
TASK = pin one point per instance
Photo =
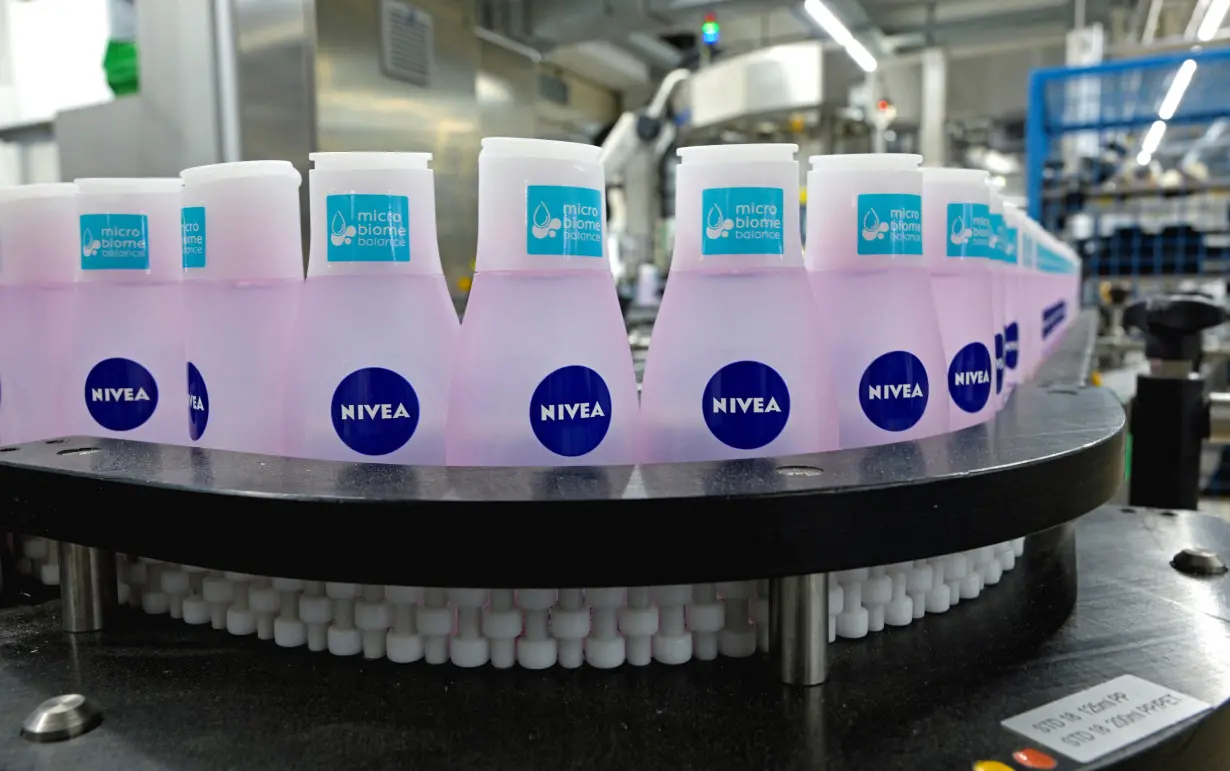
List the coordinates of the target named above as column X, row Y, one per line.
column 129, row 230
column 956, row 219
column 864, row 211
column 541, row 206
column 373, row 214
column 737, row 208
column 38, row 234
column 241, row 222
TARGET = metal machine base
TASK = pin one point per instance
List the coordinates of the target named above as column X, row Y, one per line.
column 178, row 697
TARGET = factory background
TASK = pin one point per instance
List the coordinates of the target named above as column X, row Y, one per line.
column 194, row 82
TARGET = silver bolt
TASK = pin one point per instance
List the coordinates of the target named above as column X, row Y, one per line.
column 1198, row 562
column 60, row 718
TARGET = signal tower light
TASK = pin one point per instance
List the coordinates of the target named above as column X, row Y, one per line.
column 710, row 32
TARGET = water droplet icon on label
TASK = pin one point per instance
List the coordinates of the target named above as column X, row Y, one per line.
column 542, row 215
column 871, row 221
column 88, row 238
column 338, row 226
column 714, row 220
column 958, row 226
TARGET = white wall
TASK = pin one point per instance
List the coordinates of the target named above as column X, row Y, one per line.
column 51, row 58
column 55, row 50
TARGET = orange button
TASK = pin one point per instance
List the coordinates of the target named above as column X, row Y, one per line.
column 1031, row 758
column 991, row 765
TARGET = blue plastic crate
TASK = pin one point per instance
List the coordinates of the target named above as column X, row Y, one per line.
column 1124, row 220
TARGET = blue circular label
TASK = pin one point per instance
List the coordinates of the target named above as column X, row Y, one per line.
column 120, row 394
column 570, row 411
column 894, row 390
column 969, row 377
column 999, row 362
column 198, row 403
column 1012, row 345
column 375, row 411
column 746, row 405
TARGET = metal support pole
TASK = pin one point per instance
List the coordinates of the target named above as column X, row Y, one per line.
column 932, row 131
column 87, row 587
column 799, row 619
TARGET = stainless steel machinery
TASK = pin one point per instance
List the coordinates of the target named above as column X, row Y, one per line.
column 228, row 80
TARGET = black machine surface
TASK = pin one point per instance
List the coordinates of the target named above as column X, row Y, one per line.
column 1170, row 413
column 929, row 698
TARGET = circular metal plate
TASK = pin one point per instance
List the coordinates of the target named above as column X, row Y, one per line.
column 60, row 718
column 1047, row 458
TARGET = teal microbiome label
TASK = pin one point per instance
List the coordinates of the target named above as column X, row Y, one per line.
column 742, row 220
column 969, row 230
column 364, row 227
column 563, row 221
column 890, row 223
column 192, row 220
column 114, row 242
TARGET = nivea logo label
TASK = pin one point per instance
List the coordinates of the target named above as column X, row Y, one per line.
column 375, row 411
column 742, row 220
column 893, row 391
column 969, row 230
column 563, row 221
column 999, row 362
column 746, row 405
column 114, row 242
column 890, row 223
column 198, row 403
column 120, row 394
column 570, row 411
column 969, row 377
column 192, row 221
column 1012, row 345
column 368, row 228
column 1052, row 317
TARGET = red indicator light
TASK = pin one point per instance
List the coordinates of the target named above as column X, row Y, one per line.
column 1031, row 758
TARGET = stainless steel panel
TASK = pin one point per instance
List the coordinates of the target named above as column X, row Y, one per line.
column 360, row 108
column 101, row 140
column 173, row 123
column 506, row 88
column 589, row 108
column 273, row 48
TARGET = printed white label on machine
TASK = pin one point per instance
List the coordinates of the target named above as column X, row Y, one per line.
column 1097, row 721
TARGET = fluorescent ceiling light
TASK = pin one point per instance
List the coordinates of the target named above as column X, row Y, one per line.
column 1143, row 159
column 1212, row 19
column 1178, row 86
column 1153, row 138
column 842, row 36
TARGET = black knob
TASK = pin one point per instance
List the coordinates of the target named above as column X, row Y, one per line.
column 1172, row 324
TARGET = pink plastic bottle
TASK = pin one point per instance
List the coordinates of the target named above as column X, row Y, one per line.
column 372, row 351
column 38, row 249
column 865, row 253
column 956, row 236
column 542, row 374
column 734, row 369
column 999, row 296
column 1013, row 296
column 243, row 273
column 126, row 362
